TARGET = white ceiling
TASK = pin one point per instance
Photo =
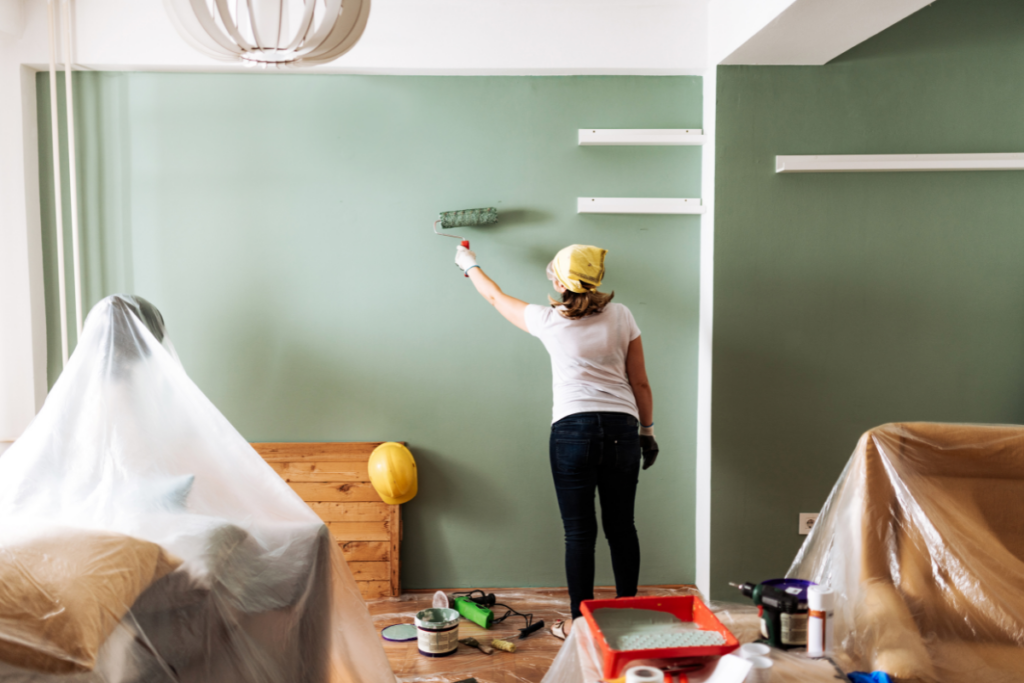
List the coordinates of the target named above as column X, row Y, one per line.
column 502, row 36
column 422, row 36
column 10, row 18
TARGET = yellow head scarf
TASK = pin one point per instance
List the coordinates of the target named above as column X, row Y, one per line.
column 579, row 267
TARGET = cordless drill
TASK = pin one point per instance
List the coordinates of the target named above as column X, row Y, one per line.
column 782, row 608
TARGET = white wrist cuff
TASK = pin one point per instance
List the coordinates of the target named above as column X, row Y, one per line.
column 647, row 431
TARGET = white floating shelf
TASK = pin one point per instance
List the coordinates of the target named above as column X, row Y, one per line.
column 864, row 163
column 641, row 136
column 637, row 205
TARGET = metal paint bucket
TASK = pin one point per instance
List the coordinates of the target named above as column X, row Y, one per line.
column 437, row 631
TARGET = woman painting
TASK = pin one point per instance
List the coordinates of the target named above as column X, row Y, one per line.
column 601, row 399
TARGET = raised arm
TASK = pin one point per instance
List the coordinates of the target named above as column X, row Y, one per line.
column 510, row 307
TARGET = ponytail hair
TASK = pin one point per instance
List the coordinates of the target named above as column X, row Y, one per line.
column 575, row 306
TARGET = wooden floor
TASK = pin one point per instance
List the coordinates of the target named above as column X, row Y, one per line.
column 533, row 655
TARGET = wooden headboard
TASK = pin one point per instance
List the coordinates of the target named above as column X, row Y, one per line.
column 332, row 478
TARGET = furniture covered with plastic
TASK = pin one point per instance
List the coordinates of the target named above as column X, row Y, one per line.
column 922, row 540
column 163, row 536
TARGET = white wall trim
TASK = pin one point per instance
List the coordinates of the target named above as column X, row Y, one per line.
column 706, row 315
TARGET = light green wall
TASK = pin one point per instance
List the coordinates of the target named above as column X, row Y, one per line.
column 843, row 301
column 282, row 223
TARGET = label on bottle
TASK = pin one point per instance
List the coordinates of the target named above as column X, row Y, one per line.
column 794, row 629
column 815, row 633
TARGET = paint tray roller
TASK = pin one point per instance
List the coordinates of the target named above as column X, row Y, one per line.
column 465, row 218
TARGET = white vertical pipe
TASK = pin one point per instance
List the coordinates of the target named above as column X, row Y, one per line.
column 58, row 209
column 76, row 257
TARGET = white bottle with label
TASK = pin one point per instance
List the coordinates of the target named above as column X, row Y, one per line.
column 820, row 620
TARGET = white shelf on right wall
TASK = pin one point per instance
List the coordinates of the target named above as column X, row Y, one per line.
column 624, row 137
column 650, row 205
column 868, row 163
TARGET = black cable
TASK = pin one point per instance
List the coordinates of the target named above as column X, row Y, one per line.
column 528, row 618
column 469, row 594
column 485, row 599
column 512, row 613
column 488, row 600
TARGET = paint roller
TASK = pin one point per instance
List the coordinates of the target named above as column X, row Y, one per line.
column 465, row 218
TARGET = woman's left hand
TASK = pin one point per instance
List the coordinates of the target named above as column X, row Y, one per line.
column 649, row 449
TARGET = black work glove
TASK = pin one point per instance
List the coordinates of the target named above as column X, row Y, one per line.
column 649, row 450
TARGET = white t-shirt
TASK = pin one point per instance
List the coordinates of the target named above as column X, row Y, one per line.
column 588, row 359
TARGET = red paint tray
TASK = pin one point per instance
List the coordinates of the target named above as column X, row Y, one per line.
column 683, row 607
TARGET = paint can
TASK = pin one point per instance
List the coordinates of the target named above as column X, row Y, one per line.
column 437, row 631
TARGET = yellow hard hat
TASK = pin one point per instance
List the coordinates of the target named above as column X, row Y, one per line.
column 393, row 473
column 579, row 267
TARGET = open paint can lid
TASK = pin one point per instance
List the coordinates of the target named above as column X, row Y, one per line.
column 399, row 633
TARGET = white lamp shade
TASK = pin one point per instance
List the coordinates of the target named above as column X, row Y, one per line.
column 271, row 32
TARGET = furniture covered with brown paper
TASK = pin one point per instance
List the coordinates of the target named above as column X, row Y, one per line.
column 922, row 540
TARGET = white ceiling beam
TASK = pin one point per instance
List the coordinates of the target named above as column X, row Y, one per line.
column 798, row 32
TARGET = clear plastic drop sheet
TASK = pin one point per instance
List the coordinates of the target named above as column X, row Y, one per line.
column 922, row 542
column 131, row 496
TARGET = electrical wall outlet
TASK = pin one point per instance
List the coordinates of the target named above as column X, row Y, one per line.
column 807, row 520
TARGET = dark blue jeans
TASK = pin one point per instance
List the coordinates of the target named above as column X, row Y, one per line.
column 597, row 452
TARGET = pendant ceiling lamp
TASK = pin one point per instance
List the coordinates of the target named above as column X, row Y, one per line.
column 271, row 32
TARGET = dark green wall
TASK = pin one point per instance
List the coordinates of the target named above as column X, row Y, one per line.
column 843, row 301
column 282, row 223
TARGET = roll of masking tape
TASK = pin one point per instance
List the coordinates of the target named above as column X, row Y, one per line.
column 760, row 671
column 751, row 650
column 644, row 674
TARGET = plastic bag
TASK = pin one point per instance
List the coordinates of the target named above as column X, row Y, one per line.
column 922, row 541
column 126, row 444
